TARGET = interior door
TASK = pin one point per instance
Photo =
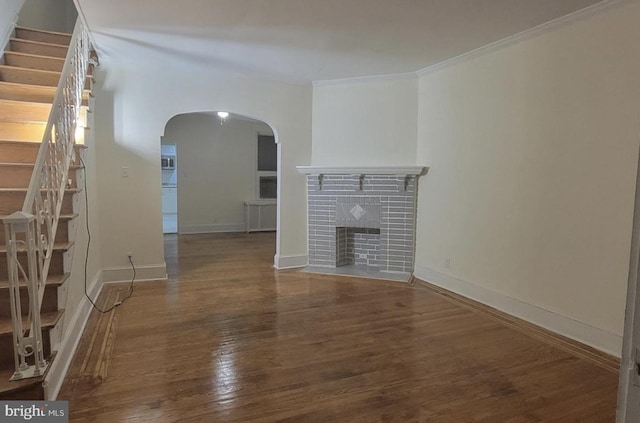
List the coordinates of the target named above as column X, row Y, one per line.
column 629, row 387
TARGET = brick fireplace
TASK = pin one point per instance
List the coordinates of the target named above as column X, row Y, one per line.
column 362, row 217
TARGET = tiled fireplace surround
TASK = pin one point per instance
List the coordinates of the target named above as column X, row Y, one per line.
column 362, row 216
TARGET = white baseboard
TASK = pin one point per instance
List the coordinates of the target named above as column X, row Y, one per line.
column 66, row 351
column 289, row 262
column 600, row 339
column 211, row 229
column 151, row 272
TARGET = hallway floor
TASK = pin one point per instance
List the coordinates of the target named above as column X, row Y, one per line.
column 229, row 339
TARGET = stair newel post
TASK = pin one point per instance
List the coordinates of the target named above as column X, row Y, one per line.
column 33, row 285
column 14, row 297
column 23, row 224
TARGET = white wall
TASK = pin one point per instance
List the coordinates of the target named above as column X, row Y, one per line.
column 533, row 152
column 365, row 123
column 50, row 15
column 72, row 294
column 217, row 170
column 8, row 18
column 75, row 294
column 137, row 104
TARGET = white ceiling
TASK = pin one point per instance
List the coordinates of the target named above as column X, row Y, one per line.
column 309, row 40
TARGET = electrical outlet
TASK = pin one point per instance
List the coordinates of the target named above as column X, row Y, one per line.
column 447, row 263
column 130, row 254
column 125, row 171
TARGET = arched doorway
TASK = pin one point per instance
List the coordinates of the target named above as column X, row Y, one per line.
column 219, row 176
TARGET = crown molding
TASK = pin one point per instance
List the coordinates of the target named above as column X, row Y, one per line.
column 365, row 79
column 524, row 35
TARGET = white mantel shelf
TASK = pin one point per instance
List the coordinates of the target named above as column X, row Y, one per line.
column 369, row 170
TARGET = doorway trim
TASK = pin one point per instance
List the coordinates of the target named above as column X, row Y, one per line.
column 628, row 408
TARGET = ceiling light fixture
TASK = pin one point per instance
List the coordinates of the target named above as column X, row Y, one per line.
column 223, row 116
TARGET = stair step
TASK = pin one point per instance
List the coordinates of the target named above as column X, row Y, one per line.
column 18, row 175
column 22, row 131
column 56, row 266
column 47, row 320
column 53, row 280
column 33, row 76
column 24, row 111
column 42, row 36
column 24, row 190
column 33, row 93
column 62, row 216
column 24, row 152
column 29, row 76
column 62, row 234
column 30, row 112
column 38, row 48
column 11, row 200
column 23, row 390
column 32, row 61
column 63, row 246
column 49, row 301
column 26, row 389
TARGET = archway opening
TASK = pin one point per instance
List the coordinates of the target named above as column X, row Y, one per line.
column 219, row 178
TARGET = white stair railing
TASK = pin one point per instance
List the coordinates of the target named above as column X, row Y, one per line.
column 31, row 232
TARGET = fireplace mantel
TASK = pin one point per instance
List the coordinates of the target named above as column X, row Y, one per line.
column 363, row 170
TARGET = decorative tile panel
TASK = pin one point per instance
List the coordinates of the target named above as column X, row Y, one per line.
column 357, row 213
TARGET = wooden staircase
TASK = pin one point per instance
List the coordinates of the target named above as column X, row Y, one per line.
column 29, row 74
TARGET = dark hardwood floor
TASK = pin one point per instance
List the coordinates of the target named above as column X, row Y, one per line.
column 229, row 339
